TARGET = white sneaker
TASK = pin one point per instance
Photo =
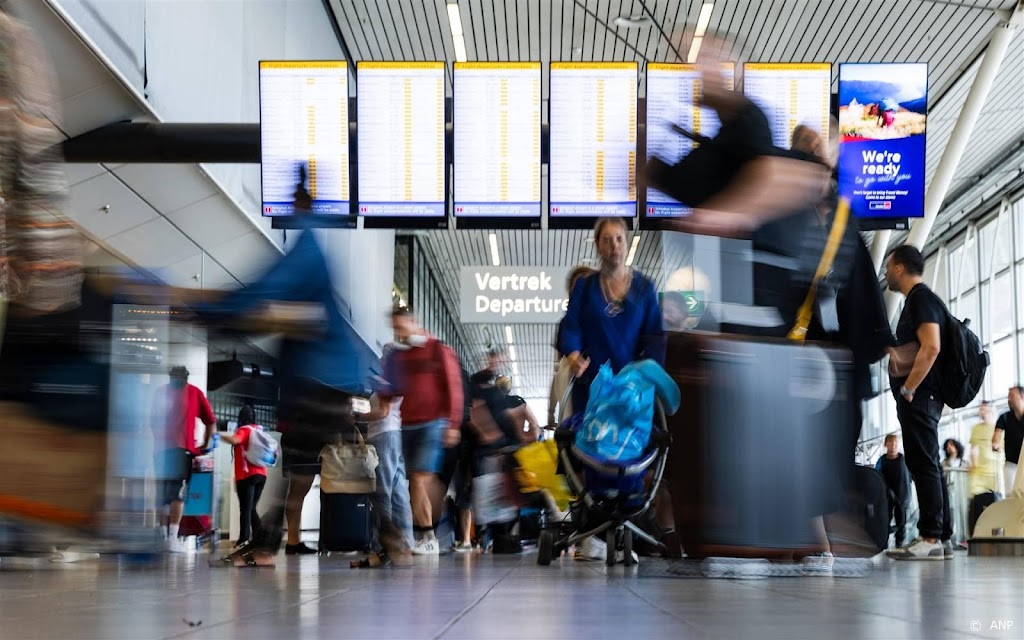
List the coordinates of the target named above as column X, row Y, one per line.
column 465, row 547
column 590, row 549
column 919, row 549
column 426, row 547
column 819, row 563
column 174, row 546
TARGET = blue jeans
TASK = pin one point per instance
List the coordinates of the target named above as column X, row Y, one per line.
column 391, row 499
column 423, row 446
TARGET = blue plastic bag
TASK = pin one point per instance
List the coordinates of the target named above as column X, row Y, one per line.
column 620, row 412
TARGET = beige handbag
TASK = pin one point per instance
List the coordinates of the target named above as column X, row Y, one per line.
column 349, row 467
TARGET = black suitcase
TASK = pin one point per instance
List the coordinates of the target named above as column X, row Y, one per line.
column 979, row 503
column 758, row 450
column 345, row 522
column 867, row 510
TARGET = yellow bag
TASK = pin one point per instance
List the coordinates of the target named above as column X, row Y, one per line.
column 539, row 463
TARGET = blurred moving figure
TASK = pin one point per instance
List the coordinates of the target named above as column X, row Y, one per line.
column 897, row 481
column 176, row 407
column 426, row 374
column 563, row 371
column 986, row 461
column 525, row 422
column 954, row 455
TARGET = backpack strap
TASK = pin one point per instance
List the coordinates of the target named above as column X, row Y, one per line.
column 828, row 256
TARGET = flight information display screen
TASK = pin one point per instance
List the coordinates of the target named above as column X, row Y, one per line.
column 790, row 94
column 497, row 131
column 304, row 142
column 673, row 98
column 592, row 132
column 401, row 163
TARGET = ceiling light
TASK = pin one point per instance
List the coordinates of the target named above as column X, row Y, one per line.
column 515, row 369
column 512, row 352
column 632, row 22
column 694, row 50
column 704, row 19
column 508, row 334
column 458, row 39
column 632, row 250
column 495, row 258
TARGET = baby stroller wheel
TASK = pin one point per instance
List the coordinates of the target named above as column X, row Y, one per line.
column 609, row 558
column 627, row 547
column 545, row 546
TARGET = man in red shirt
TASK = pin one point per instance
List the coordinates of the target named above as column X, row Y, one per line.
column 176, row 406
column 426, row 374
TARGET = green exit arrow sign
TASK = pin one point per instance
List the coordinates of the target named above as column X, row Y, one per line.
column 693, row 302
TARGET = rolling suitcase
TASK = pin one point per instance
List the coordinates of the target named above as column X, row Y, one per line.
column 758, row 442
column 345, row 522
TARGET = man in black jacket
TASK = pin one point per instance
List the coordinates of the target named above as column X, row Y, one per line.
column 897, row 481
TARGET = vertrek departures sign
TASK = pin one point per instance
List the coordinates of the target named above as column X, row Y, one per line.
column 513, row 295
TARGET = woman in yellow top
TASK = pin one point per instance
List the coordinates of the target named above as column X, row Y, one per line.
column 986, row 464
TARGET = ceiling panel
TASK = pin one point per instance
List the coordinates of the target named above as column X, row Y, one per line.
column 88, row 199
column 246, row 257
column 168, row 187
column 154, row 244
column 198, row 221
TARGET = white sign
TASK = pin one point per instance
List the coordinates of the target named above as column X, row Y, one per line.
column 513, row 295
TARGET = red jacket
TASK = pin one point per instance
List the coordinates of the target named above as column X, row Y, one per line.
column 430, row 382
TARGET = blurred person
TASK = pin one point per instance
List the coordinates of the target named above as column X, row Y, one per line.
column 986, row 471
column 391, row 503
column 563, row 375
column 1009, row 435
column 250, row 478
column 915, row 381
column 519, row 412
column 176, row 407
column 954, row 451
column 614, row 315
column 897, row 482
column 427, row 374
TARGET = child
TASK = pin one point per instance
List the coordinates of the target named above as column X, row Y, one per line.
column 897, row 480
column 249, row 478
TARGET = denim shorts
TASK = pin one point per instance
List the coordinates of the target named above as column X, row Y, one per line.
column 423, row 446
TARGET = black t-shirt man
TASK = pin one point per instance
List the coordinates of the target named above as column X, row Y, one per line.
column 1013, row 435
column 922, row 306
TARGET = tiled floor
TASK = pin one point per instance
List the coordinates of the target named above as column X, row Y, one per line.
column 476, row 597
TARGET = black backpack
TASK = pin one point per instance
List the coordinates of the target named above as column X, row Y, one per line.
column 964, row 363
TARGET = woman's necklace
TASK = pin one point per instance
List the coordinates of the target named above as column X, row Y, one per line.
column 614, row 304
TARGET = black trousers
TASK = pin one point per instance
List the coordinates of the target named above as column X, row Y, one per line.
column 898, row 513
column 920, row 422
column 249, row 491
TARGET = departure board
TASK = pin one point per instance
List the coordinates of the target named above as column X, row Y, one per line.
column 497, row 132
column 790, row 94
column 401, row 140
column 592, row 132
column 304, row 152
column 673, row 96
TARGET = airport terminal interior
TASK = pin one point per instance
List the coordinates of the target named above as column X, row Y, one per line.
column 512, row 319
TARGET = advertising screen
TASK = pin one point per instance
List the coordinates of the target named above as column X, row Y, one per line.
column 883, row 113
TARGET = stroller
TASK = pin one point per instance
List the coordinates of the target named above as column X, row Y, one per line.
column 609, row 495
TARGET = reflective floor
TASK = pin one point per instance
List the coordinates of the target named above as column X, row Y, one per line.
column 476, row 597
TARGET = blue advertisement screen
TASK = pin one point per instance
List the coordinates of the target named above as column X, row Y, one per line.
column 883, row 113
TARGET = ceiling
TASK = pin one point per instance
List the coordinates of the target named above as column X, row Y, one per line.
column 174, row 219
column 949, row 36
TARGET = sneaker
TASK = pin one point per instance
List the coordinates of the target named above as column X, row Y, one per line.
column 174, row 546
column 947, row 550
column 426, row 547
column 298, row 550
column 818, row 564
column 919, row 549
column 465, row 547
column 620, row 556
column 590, row 549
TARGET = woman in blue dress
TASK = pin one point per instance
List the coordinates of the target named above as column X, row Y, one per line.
column 613, row 315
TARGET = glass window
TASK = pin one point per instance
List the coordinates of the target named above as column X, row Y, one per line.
column 1018, row 222
column 999, row 311
column 969, row 272
column 986, row 245
column 953, row 269
column 968, row 309
column 1002, row 373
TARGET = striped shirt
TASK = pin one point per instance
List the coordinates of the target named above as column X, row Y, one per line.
column 40, row 251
